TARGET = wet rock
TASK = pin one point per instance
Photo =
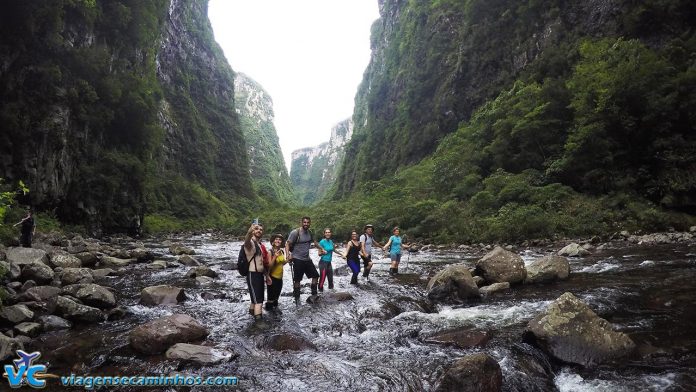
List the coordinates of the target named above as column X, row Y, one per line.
column 87, row 259
column 479, row 281
column 500, row 265
column 203, row 355
column 571, row 332
column 158, row 335
column 25, row 256
column 40, row 293
column 462, row 338
column 188, row 260
column 286, row 341
column 201, row 271
column 28, row 328
column 76, row 275
column 454, row 282
column 65, row 261
column 103, row 272
column 534, row 370
column 158, row 264
column 72, row 310
column 27, row 285
column 38, row 272
column 204, row 281
column 113, row 262
column 9, row 347
column 162, row 295
column 179, row 249
column 141, row 255
column 692, row 229
column 54, row 323
column 473, row 373
column 13, row 270
column 116, row 313
column 573, row 250
column 494, row 288
column 211, row 295
column 548, row 269
column 15, row 314
column 16, row 286
column 91, row 294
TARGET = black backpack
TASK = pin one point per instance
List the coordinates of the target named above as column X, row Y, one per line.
column 297, row 240
column 243, row 263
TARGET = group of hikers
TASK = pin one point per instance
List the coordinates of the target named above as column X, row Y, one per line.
column 266, row 265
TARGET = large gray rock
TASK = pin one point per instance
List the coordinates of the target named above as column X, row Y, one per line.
column 500, row 265
column 548, row 269
column 494, row 288
column 113, row 262
column 454, row 282
column 65, row 261
column 16, row 314
column 473, row 373
column 570, row 331
column 40, row 293
column 158, row 335
column 201, row 271
column 188, row 261
column 28, row 329
column 24, row 256
column 71, row 310
column 162, row 295
column 142, row 255
column 199, row 354
column 38, row 272
column 87, row 259
column 573, row 250
column 179, row 249
column 285, row 341
column 91, row 294
column 9, row 347
column 53, row 323
column 76, row 275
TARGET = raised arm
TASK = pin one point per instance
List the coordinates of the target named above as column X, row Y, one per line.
column 247, row 240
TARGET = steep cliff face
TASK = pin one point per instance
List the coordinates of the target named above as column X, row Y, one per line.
column 313, row 170
column 434, row 62
column 115, row 109
column 255, row 110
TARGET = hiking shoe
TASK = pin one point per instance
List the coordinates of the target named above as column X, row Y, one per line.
column 331, row 287
column 321, row 289
column 258, row 317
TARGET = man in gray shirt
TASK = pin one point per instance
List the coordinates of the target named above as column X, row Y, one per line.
column 297, row 250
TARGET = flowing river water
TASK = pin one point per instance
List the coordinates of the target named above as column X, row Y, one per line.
column 379, row 340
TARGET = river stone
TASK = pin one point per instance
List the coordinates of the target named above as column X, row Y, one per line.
column 76, row 275
column 462, row 338
column 113, row 262
column 494, row 288
column 9, row 347
column 157, row 264
column 201, row 271
column 573, row 250
column 158, row 335
column 14, row 271
column 91, row 294
column 16, row 286
column 473, row 373
column 38, row 272
column 285, row 341
column 571, row 332
column 500, row 265
column 548, row 269
column 178, row 249
column 29, row 329
column 53, row 323
column 199, row 354
column 16, row 314
column 27, row 285
column 188, row 261
column 65, row 261
column 40, row 293
column 204, row 281
column 454, row 282
column 24, row 256
column 142, row 255
column 162, row 295
column 87, row 259
column 103, row 272
column 72, row 310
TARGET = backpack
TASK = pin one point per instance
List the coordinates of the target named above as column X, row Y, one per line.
column 243, row 262
column 297, row 239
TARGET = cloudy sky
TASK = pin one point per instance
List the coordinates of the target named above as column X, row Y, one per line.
column 309, row 55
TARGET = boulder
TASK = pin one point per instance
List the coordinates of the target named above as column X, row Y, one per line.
column 116, row 313
column 113, row 262
column 204, row 280
column 188, row 260
column 76, row 275
column 454, row 282
column 9, row 347
column 573, row 250
column 24, row 256
column 462, row 338
column 40, row 293
column 13, row 271
column 103, row 272
column 65, row 261
column 91, row 294
column 201, row 271
column 494, row 288
column 285, row 341
column 53, row 323
column 87, row 259
column 158, row 335
column 142, row 255
column 157, row 264
column 203, row 355
column 500, row 265
column 162, row 295
column 27, row 285
column 179, row 249
column 473, row 373
column 548, row 269
column 38, row 272
column 15, row 314
column 571, row 332
column 72, row 310
column 28, row 329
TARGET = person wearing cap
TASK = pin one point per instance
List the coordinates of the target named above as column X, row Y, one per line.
column 28, row 229
column 277, row 263
column 367, row 241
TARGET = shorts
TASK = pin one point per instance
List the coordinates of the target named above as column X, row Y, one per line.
column 255, row 283
column 395, row 257
column 366, row 260
column 304, row 267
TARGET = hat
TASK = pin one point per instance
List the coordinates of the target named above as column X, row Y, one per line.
column 274, row 236
column 368, row 226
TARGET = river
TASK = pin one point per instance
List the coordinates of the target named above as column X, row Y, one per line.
column 378, row 341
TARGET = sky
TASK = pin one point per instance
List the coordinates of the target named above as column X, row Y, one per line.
column 309, row 55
